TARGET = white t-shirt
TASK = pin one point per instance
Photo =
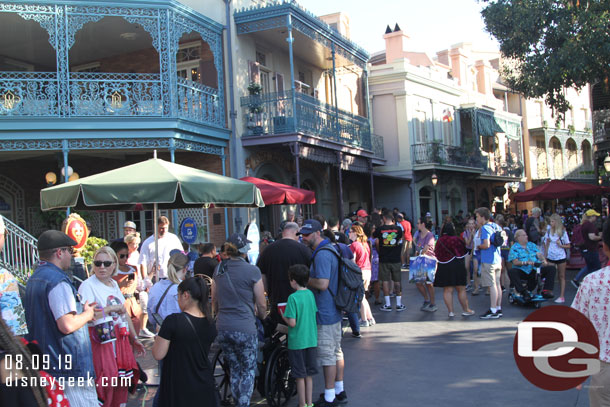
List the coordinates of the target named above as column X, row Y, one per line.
column 166, row 244
column 555, row 252
column 93, row 290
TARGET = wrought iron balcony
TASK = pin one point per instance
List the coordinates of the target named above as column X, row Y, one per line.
column 502, row 168
column 443, row 154
column 377, row 142
column 283, row 113
column 106, row 94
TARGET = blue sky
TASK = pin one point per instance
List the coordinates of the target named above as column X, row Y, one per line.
column 433, row 25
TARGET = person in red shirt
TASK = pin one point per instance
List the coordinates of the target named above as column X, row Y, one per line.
column 407, row 240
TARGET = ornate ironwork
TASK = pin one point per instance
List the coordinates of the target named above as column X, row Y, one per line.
column 443, row 154
column 198, row 147
column 66, row 94
column 273, row 15
column 20, row 252
column 377, row 142
column 274, row 113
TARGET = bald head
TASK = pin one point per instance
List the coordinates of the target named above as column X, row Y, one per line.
column 290, row 231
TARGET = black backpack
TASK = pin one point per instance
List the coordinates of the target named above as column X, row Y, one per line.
column 498, row 238
column 350, row 287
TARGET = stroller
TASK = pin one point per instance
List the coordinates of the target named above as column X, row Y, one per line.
column 533, row 286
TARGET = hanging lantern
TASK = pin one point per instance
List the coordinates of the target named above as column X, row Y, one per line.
column 74, row 176
column 50, row 178
column 63, row 171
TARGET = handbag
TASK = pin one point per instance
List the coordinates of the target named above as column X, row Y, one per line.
column 158, row 318
column 207, row 361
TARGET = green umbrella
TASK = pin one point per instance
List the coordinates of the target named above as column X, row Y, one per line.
column 154, row 183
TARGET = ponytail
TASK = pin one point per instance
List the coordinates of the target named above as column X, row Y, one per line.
column 197, row 287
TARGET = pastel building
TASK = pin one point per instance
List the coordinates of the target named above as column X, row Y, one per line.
column 449, row 143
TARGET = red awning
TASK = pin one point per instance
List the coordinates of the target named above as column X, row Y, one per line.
column 276, row 193
column 558, row 189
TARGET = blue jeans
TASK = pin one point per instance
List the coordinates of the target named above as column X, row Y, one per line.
column 583, row 272
column 156, row 399
column 592, row 260
column 354, row 321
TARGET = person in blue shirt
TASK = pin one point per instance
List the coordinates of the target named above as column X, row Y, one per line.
column 323, row 281
column 523, row 255
column 491, row 263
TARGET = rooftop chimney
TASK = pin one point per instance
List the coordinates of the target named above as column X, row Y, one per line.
column 395, row 43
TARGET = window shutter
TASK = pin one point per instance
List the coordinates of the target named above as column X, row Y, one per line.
column 279, row 83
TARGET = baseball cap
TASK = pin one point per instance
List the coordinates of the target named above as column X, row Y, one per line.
column 52, row 239
column 240, row 241
column 179, row 260
column 362, row 213
column 310, row 226
column 592, row 212
column 130, row 224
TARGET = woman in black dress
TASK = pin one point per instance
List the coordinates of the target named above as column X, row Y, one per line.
column 450, row 274
column 183, row 343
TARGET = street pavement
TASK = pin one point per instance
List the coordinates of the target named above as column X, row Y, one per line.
column 416, row 358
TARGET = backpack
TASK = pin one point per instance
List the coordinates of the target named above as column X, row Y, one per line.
column 350, row 287
column 499, row 237
column 532, row 233
column 578, row 240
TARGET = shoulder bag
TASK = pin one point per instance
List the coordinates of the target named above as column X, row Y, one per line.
column 158, row 318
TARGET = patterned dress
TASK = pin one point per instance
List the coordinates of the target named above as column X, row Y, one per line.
column 11, row 308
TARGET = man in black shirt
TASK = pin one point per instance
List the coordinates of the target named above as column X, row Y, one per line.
column 389, row 245
column 274, row 262
column 207, row 262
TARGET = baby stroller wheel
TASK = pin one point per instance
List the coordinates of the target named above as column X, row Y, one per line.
column 511, row 299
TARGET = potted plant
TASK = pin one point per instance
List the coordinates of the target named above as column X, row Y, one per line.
column 256, row 108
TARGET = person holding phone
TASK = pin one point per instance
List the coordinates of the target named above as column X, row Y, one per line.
column 127, row 278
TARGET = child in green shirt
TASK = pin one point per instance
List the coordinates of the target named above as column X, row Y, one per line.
column 300, row 316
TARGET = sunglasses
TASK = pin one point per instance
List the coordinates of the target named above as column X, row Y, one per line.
column 67, row 249
column 123, row 256
column 98, row 263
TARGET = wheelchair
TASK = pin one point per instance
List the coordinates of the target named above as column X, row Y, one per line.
column 536, row 298
column 273, row 380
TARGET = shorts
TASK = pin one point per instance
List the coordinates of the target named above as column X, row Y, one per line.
column 143, row 297
column 490, row 274
column 389, row 271
column 329, row 344
column 366, row 274
column 504, row 254
column 560, row 261
column 303, row 362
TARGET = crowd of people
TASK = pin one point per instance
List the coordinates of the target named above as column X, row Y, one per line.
column 91, row 331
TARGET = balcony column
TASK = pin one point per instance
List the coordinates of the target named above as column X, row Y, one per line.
column 296, row 152
column 339, row 161
column 62, row 54
column 167, row 66
column 550, row 165
column 65, row 149
column 290, row 41
column 172, row 158
column 337, row 132
column 223, row 160
column 373, row 203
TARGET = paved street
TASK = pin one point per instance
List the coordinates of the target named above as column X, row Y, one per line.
column 415, row 358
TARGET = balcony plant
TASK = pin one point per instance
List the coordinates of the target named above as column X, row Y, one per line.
column 256, row 108
column 436, row 152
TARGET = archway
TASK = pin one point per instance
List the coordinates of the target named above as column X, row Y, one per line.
column 586, row 156
column 556, row 158
column 572, row 155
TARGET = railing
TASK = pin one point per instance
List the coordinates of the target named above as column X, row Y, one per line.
column 20, row 253
column 198, row 102
column 274, row 113
column 115, row 94
column 443, row 154
column 105, row 94
column 377, row 142
column 502, row 168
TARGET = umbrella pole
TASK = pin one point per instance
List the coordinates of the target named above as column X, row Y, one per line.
column 156, row 227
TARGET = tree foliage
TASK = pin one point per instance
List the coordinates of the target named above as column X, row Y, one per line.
column 552, row 45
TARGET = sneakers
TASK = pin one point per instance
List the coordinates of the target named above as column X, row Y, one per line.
column 475, row 292
column 547, row 294
column 499, row 313
column 468, row 288
column 340, row 398
column 372, row 322
column 431, row 308
column 365, row 323
column 575, row 283
column 145, row 333
column 400, row 308
column 467, row 313
column 386, row 308
column 560, row 300
column 424, row 306
column 357, row 335
column 451, row 315
column 323, row 403
column 489, row 315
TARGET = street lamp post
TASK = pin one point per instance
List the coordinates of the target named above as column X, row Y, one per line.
column 434, row 180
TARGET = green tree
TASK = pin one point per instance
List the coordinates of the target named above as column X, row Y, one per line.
column 551, row 45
